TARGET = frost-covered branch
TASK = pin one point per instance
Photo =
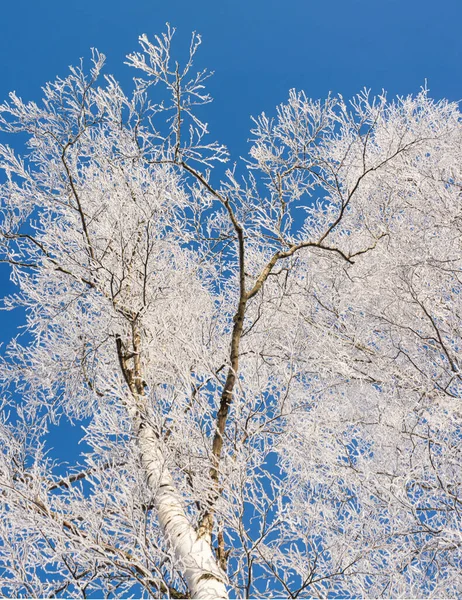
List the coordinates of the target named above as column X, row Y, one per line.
column 264, row 366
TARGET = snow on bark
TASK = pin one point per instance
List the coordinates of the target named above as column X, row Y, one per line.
column 203, row 576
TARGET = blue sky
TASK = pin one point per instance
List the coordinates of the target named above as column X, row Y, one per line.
column 259, row 49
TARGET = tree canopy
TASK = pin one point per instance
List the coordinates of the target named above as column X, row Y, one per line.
column 265, row 359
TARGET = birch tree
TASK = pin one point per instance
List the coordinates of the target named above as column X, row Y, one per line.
column 265, row 359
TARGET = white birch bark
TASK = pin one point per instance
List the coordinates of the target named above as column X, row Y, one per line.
column 197, row 562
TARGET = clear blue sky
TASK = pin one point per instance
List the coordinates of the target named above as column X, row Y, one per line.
column 257, row 48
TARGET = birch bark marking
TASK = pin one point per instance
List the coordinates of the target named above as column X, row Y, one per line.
column 204, row 578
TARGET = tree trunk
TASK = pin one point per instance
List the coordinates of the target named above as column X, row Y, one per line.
column 194, row 554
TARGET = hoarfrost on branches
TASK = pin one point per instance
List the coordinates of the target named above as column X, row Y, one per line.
column 267, row 367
